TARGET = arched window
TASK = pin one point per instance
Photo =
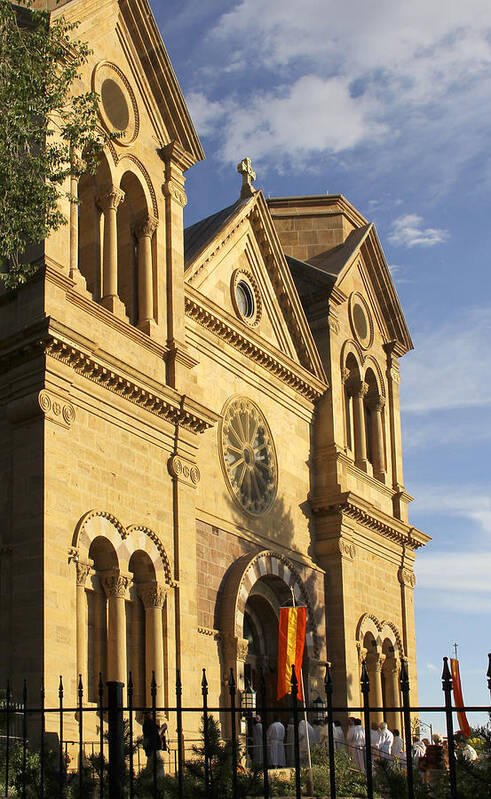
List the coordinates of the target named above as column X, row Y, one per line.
column 90, row 227
column 131, row 213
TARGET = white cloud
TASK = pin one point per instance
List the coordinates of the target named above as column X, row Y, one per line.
column 418, row 72
column 432, row 667
column 408, row 231
column 451, row 366
column 466, row 501
column 456, row 581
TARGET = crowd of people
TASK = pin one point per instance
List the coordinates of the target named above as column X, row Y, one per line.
column 427, row 757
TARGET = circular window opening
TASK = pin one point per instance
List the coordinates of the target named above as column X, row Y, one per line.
column 115, row 104
column 360, row 321
column 245, row 299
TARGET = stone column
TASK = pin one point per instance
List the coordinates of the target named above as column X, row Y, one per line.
column 153, row 598
column 116, row 585
column 378, row 450
column 177, row 161
column 234, row 653
column 392, row 674
column 358, row 389
column 144, row 233
column 83, row 570
column 108, row 202
column 375, row 663
column 75, row 274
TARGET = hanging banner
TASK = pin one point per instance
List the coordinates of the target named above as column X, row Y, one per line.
column 291, row 642
column 458, row 698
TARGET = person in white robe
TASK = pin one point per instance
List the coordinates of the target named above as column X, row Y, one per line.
column 276, row 748
column 398, row 746
column 374, row 738
column 349, row 735
column 303, row 744
column 290, row 745
column 257, row 741
column 385, row 741
column 338, row 736
column 358, row 746
column 419, row 751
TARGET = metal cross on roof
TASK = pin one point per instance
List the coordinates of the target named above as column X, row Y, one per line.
column 248, row 176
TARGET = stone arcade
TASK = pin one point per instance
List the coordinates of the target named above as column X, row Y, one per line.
column 198, row 422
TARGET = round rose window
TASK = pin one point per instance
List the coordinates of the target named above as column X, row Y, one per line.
column 248, row 455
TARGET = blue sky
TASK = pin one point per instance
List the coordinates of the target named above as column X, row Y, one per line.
column 389, row 104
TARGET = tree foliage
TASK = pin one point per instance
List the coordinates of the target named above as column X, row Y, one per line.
column 46, row 117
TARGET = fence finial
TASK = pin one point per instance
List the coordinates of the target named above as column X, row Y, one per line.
column 231, row 682
column 446, row 676
column 365, row 680
column 489, row 671
column 328, row 685
column 404, row 677
column 204, row 683
column 294, row 681
column 60, row 687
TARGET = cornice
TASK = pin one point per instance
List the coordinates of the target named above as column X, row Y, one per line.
column 307, row 385
column 393, row 529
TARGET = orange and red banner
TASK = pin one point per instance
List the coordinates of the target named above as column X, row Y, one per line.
column 458, row 698
column 291, row 642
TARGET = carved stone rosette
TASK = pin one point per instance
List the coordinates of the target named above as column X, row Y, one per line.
column 184, row 470
column 406, row 577
column 56, row 408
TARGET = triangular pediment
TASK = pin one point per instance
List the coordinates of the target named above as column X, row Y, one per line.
column 126, row 34
column 241, row 241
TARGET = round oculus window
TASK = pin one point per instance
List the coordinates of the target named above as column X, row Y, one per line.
column 361, row 320
column 246, row 298
column 248, row 456
column 118, row 109
column 115, row 104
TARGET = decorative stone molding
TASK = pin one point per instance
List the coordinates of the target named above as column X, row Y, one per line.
column 185, row 413
column 184, row 470
column 253, row 351
column 380, row 630
column 106, row 71
column 246, row 276
column 152, row 595
column 406, row 577
column 340, row 546
column 56, row 409
column 333, row 325
column 370, row 522
column 115, row 585
column 209, row 631
column 146, row 227
column 357, row 388
column 176, row 192
column 233, row 648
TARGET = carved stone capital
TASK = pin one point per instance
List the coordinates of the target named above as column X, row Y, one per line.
column 406, row 577
column 83, row 571
column 357, row 388
column 152, row 595
column 115, row 584
column 110, row 198
column 233, row 648
column 146, row 227
column 376, row 403
column 175, row 192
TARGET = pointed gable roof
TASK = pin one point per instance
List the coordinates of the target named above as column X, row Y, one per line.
column 138, row 19
column 204, row 238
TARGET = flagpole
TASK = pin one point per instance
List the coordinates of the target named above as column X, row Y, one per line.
column 309, row 760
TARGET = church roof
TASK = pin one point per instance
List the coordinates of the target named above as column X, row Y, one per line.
column 335, row 259
column 308, row 279
column 199, row 235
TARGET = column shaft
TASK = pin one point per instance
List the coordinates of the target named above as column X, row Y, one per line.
column 153, row 596
column 108, row 202
column 359, row 425
column 378, row 454
column 115, row 586
column 144, row 233
column 81, row 609
column 74, row 225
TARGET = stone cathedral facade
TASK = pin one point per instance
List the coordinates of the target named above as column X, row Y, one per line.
column 197, row 423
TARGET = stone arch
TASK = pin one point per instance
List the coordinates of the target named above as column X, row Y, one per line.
column 368, row 624
column 244, row 574
column 389, row 631
column 371, row 363
column 125, row 540
column 127, row 163
column 351, row 347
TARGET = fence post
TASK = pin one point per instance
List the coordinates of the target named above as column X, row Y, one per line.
column 61, row 764
column 24, row 740
column 101, row 736
column 294, row 694
column 365, row 689
column 264, row 736
column 7, row 737
column 447, row 686
column 153, row 694
column 330, row 732
column 204, row 693
column 41, row 779
column 404, row 679
column 232, row 692
column 115, row 735
column 179, row 734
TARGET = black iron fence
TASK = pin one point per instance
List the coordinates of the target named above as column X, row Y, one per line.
column 112, row 765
